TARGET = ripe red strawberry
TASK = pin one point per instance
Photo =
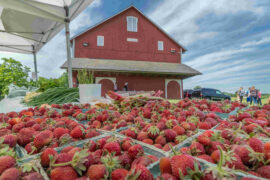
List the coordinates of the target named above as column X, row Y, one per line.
column 113, row 147
column 10, row 140
column 215, row 155
column 206, row 158
column 10, row 174
column 166, row 176
column 182, row 163
column 77, row 132
column 256, row 144
column 44, row 157
column 243, row 153
column 232, row 160
column 196, row 148
column 165, row 165
column 91, row 133
column 141, row 172
column 204, row 125
column 131, row 132
column 126, row 145
column 125, row 160
column 170, row 135
column 25, row 136
column 17, row 127
column 66, row 149
column 74, row 150
column 119, row 174
column 58, row 132
column 264, row 171
column 179, row 130
column 30, row 148
column 160, row 140
column 33, row 176
column 6, row 162
column 43, row 138
column 63, row 173
column 142, row 136
column 148, row 141
column 63, row 158
column 135, row 151
column 96, row 172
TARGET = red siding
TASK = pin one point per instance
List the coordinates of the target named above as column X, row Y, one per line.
column 116, row 45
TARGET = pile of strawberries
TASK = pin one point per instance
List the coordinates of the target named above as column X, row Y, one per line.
column 36, row 133
column 107, row 158
column 11, row 170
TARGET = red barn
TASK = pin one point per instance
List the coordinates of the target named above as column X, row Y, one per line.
column 129, row 47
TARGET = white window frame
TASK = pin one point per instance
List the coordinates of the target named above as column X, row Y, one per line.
column 132, row 24
column 100, row 40
column 160, row 45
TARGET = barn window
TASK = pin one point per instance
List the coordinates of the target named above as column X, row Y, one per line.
column 100, row 40
column 132, row 24
column 160, row 46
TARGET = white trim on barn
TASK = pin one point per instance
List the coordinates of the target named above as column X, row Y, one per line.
column 113, row 79
column 167, row 81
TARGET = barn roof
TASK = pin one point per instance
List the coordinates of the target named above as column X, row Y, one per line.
column 146, row 67
column 102, row 22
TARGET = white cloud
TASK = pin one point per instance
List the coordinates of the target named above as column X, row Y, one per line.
column 180, row 17
column 256, row 43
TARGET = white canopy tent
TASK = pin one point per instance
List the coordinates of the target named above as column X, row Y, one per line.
column 27, row 25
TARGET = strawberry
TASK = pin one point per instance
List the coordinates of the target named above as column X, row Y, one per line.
column 125, row 160
column 142, row 136
column 135, row 151
column 74, row 150
column 141, row 173
column 96, row 172
column 131, row 132
column 264, row 171
column 167, row 176
column 126, row 145
column 179, row 130
column 165, row 165
column 256, row 144
column 25, row 136
column 43, row 138
column 158, row 146
column 58, row 132
column 119, row 174
column 10, row 140
column 10, row 174
column 63, row 158
column 17, row 127
column 153, row 132
column 148, row 141
column 6, row 162
column 30, row 148
column 169, row 135
column 204, row 125
column 113, row 147
column 196, row 148
column 63, row 173
column 33, row 176
column 182, row 163
column 77, row 132
column 44, row 157
column 160, row 140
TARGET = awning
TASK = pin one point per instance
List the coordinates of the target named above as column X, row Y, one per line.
column 109, row 65
column 26, row 25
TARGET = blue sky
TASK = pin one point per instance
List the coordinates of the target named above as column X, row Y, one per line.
column 228, row 41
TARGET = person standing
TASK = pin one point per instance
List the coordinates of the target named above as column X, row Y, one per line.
column 253, row 95
column 248, row 95
column 259, row 97
column 241, row 94
column 126, row 86
column 115, row 88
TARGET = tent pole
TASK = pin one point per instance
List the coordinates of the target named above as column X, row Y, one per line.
column 35, row 62
column 67, row 20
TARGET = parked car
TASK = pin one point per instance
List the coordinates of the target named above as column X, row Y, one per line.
column 187, row 93
column 211, row 94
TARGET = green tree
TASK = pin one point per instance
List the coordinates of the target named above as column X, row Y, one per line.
column 45, row 83
column 12, row 71
column 197, row 87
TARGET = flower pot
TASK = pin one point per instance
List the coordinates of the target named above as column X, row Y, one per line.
column 89, row 91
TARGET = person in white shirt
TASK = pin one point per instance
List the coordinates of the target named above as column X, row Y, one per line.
column 115, row 87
